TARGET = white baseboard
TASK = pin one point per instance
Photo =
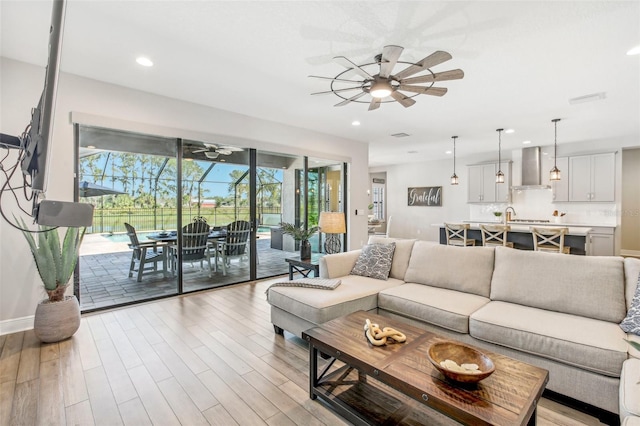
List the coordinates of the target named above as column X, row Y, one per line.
column 15, row 325
column 630, row 253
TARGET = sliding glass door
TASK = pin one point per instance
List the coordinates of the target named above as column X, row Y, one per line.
column 174, row 216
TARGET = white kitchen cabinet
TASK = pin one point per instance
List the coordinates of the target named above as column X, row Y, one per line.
column 482, row 183
column 592, row 177
column 601, row 242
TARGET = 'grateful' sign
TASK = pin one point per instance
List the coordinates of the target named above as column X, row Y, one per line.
column 425, row 196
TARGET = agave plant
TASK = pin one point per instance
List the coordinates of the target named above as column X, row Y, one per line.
column 55, row 264
column 299, row 233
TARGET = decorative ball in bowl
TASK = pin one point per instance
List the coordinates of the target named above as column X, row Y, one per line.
column 459, row 362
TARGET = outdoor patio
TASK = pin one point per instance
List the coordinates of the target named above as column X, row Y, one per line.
column 104, row 273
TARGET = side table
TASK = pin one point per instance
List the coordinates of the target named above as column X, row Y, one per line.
column 306, row 266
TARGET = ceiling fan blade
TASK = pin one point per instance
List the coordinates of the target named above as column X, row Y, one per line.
column 353, row 98
column 434, row 91
column 403, row 100
column 350, row 65
column 337, row 90
column 432, row 60
column 229, row 148
column 224, row 151
column 196, row 151
column 334, row 79
column 390, row 55
column 439, row 76
column 375, row 104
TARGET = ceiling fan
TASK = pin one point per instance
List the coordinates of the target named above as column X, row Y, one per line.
column 213, row 151
column 385, row 86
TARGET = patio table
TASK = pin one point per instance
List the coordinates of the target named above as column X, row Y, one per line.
column 171, row 238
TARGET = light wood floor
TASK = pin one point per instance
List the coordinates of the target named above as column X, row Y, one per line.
column 207, row 358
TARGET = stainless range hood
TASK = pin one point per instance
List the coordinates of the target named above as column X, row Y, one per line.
column 531, row 170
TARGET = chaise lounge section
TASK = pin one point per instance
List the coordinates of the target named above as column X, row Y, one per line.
column 558, row 312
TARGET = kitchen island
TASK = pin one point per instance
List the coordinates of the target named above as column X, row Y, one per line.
column 520, row 235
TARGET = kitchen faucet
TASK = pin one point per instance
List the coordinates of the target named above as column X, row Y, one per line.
column 507, row 214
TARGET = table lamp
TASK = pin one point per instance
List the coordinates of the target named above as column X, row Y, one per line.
column 332, row 223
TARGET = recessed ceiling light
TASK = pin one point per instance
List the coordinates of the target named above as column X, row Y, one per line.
column 412, row 152
column 545, row 153
column 509, row 131
column 91, row 147
column 526, row 142
column 400, row 135
column 634, row 51
column 355, row 123
column 447, row 152
column 145, row 62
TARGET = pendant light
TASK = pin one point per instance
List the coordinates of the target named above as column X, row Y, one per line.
column 454, row 176
column 499, row 175
column 555, row 174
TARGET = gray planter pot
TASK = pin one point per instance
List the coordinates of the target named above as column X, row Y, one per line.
column 56, row 321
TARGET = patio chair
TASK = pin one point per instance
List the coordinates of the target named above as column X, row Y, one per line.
column 145, row 256
column 195, row 243
column 234, row 245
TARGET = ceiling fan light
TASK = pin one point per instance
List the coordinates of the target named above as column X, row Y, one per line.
column 555, row 174
column 380, row 89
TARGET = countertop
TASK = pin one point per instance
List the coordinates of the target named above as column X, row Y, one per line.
column 525, row 226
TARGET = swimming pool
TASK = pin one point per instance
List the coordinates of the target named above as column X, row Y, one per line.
column 124, row 238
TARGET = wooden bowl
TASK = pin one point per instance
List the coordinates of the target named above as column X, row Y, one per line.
column 461, row 354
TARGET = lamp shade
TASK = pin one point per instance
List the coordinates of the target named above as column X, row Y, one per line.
column 332, row 223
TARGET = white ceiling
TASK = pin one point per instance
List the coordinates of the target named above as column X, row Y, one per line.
column 522, row 60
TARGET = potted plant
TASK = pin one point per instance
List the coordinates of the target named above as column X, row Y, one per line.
column 57, row 317
column 300, row 233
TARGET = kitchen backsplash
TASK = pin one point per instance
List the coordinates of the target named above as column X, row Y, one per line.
column 537, row 204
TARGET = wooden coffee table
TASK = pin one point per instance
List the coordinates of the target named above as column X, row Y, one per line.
column 406, row 388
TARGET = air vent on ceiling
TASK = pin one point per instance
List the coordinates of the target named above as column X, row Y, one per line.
column 588, row 98
column 400, row 135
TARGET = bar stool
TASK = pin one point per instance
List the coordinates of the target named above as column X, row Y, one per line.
column 495, row 235
column 457, row 234
column 550, row 240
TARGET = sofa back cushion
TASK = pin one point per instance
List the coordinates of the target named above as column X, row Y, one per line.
column 401, row 254
column 589, row 286
column 466, row 269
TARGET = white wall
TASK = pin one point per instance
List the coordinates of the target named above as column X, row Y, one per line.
column 98, row 103
column 416, row 222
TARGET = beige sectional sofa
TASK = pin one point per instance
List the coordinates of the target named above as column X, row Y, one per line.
column 559, row 312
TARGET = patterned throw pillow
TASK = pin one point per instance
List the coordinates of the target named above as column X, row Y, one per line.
column 375, row 261
column 631, row 324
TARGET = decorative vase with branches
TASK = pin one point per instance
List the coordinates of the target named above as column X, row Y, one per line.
column 302, row 234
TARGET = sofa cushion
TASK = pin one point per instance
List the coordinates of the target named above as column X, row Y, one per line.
column 449, row 309
column 401, row 254
column 631, row 323
column 319, row 306
column 466, row 269
column 630, row 389
column 374, row 261
column 586, row 343
column 590, row 286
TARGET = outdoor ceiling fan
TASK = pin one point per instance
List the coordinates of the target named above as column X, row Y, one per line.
column 213, row 151
column 385, row 86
